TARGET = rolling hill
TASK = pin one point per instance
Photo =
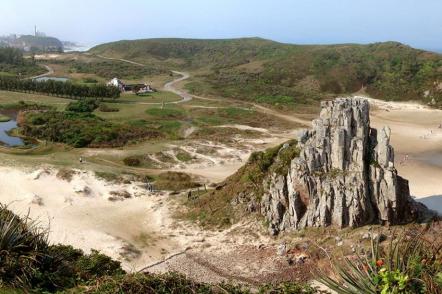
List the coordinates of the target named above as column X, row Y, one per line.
column 283, row 74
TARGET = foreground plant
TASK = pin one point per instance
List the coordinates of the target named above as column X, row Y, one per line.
column 410, row 264
column 21, row 244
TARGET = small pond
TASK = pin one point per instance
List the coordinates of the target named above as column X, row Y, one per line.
column 57, row 79
column 5, row 127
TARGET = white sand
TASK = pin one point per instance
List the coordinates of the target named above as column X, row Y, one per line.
column 416, row 133
column 90, row 221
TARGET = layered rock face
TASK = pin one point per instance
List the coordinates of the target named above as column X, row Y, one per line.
column 344, row 176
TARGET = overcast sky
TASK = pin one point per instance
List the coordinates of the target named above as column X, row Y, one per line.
column 414, row 22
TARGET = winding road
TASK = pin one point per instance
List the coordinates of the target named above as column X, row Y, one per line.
column 186, row 97
column 49, row 72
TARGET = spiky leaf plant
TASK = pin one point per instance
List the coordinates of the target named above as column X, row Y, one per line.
column 21, row 244
column 409, row 264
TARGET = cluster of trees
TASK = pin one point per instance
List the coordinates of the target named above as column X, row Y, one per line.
column 56, row 88
column 83, row 105
column 11, row 56
column 82, row 129
column 12, row 63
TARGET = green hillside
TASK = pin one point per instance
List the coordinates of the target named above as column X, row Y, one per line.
column 282, row 74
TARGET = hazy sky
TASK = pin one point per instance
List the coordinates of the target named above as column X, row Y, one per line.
column 414, row 22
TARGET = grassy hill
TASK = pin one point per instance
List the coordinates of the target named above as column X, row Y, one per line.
column 282, row 74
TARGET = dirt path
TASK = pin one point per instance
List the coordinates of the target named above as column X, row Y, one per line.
column 170, row 87
column 286, row 117
column 186, row 97
column 49, row 72
column 120, row 59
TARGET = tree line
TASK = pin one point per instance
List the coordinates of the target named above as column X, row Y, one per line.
column 57, row 88
column 11, row 56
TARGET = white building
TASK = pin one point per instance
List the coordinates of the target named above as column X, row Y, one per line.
column 115, row 82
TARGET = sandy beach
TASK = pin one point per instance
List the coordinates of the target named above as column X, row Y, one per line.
column 417, row 139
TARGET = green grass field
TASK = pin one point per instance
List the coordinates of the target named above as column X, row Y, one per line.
column 172, row 120
column 14, row 97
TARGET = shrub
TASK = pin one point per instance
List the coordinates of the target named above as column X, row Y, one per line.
column 22, row 244
column 82, row 129
column 410, row 264
column 175, row 181
column 106, row 108
column 132, row 161
column 147, row 283
column 83, row 105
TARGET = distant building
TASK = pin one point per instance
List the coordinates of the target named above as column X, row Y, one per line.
column 135, row 88
column 115, row 82
column 145, row 89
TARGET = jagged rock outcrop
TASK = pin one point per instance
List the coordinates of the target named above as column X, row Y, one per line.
column 344, row 176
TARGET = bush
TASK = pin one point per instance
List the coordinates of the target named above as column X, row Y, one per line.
column 22, row 245
column 83, row 105
column 147, row 283
column 106, row 108
column 175, row 181
column 410, row 264
column 132, row 161
column 82, row 129
column 64, row 267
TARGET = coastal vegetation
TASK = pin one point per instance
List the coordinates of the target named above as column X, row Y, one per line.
column 272, row 73
column 59, row 89
column 12, row 63
column 30, row 264
column 109, row 69
column 410, row 263
column 214, row 209
column 82, row 129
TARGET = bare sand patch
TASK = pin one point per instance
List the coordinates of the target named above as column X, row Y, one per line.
column 79, row 213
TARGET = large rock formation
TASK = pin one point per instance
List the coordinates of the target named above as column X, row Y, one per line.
column 344, row 176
